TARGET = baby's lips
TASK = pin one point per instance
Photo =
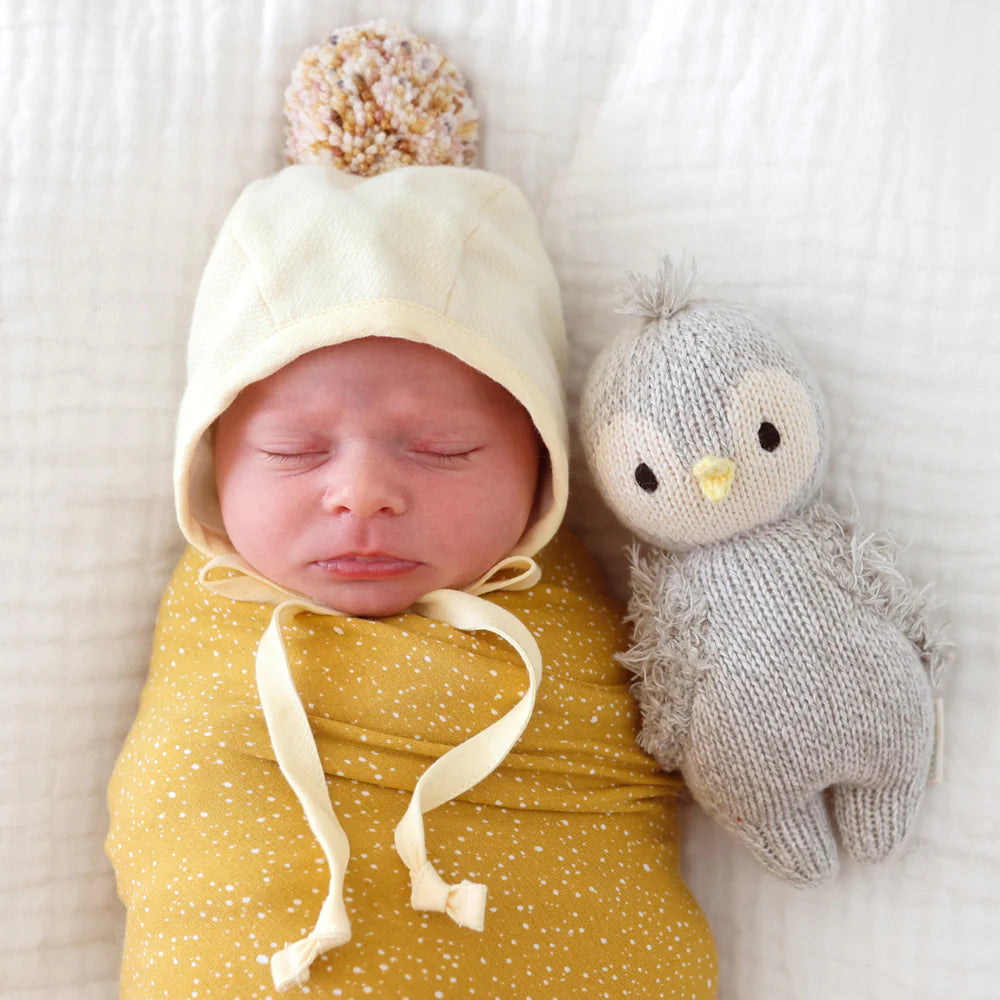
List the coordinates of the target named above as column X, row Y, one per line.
column 369, row 566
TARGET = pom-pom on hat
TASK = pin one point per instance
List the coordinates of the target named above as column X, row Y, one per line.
column 375, row 97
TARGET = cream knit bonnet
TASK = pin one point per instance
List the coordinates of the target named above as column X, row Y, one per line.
column 312, row 256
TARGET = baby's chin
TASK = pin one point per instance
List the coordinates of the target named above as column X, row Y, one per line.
column 371, row 604
column 369, row 598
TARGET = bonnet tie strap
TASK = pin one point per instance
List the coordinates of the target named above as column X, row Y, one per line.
column 468, row 763
column 298, row 758
column 458, row 770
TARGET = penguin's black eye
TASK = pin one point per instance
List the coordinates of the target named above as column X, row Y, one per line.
column 768, row 436
column 646, row 478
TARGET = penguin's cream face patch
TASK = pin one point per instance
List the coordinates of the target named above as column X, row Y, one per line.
column 776, row 441
column 670, row 501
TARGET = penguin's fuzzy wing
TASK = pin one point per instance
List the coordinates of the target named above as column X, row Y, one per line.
column 669, row 620
column 865, row 565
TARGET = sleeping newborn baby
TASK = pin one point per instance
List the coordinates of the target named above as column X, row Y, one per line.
column 384, row 748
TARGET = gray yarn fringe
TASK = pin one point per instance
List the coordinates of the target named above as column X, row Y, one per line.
column 669, row 621
column 866, row 565
column 656, row 299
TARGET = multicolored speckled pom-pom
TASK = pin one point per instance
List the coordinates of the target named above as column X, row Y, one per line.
column 375, row 97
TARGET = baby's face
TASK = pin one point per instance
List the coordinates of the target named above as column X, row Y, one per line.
column 366, row 474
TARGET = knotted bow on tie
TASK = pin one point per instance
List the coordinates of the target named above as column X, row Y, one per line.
column 465, row 903
column 290, row 967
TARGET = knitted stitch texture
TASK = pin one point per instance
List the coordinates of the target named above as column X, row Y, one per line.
column 781, row 660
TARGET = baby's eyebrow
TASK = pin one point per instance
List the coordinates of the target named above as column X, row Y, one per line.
column 277, row 429
column 461, row 425
column 287, row 414
column 452, row 440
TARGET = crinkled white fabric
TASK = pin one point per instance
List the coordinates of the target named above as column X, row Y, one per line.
column 834, row 165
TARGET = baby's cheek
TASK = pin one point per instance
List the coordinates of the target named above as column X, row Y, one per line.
column 479, row 522
column 261, row 516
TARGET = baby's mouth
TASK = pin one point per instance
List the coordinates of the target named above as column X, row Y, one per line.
column 366, row 567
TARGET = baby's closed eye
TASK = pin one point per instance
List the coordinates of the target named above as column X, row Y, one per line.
column 294, row 458
column 444, row 455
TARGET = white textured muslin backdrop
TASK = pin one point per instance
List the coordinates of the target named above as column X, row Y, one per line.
column 833, row 164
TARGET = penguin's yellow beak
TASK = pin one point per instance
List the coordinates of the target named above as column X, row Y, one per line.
column 715, row 476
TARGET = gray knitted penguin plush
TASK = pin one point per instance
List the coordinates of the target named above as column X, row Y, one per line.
column 781, row 660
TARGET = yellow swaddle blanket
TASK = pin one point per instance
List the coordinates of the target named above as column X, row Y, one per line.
column 573, row 836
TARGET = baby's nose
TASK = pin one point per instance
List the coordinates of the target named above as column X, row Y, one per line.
column 364, row 484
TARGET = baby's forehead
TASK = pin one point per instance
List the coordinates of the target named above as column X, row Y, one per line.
column 377, row 373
